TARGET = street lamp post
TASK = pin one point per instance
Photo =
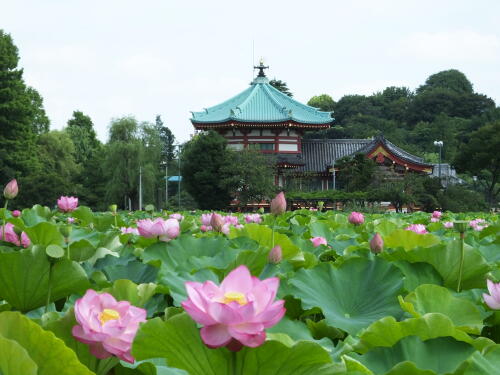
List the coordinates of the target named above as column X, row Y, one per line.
column 179, row 175
column 439, row 144
column 333, row 175
column 166, row 182
column 140, row 188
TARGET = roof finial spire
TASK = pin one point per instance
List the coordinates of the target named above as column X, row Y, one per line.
column 261, row 68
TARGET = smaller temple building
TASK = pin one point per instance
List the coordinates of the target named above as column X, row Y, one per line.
column 263, row 118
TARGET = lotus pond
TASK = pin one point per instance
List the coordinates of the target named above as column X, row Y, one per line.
column 299, row 293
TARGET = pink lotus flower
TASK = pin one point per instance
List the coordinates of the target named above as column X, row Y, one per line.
column 127, row 230
column 275, row 255
column 253, row 218
column 478, row 224
column 313, row 209
column 434, row 219
column 356, row 218
column 437, row 214
column 71, row 220
column 226, row 228
column 492, row 299
column 278, row 204
column 177, row 217
column 12, row 237
column 205, row 228
column 236, row 312
column 417, row 228
column 11, row 189
column 377, row 243
column 108, row 326
column 206, row 218
column 448, row 224
column 165, row 230
column 233, row 220
column 16, row 213
column 316, row 241
column 67, row 204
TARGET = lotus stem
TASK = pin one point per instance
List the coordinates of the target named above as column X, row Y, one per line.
column 4, row 218
column 462, row 256
column 49, row 288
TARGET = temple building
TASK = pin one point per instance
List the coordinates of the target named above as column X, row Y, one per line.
column 263, row 118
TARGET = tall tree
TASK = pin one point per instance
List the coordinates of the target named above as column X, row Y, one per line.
column 123, row 159
column 324, row 102
column 57, row 176
column 248, row 175
column 356, row 173
column 17, row 116
column 281, row 86
column 481, row 157
column 81, row 130
column 203, row 159
column 167, row 139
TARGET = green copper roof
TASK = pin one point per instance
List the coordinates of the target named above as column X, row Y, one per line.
column 261, row 103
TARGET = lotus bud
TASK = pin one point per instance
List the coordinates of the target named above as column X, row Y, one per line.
column 16, row 213
column 113, row 208
column 216, row 222
column 11, row 189
column 260, row 210
column 278, row 204
column 275, row 255
column 356, row 218
column 377, row 243
column 321, row 205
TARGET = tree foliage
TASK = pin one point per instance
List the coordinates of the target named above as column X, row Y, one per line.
column 249, row 176
column 356, row 173
column 480, row 156
column 203, row 159
column 281, row 86
column 323, row 102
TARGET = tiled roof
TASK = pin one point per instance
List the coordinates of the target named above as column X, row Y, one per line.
column 399, row 152
column 318, row 154
column 261, row 103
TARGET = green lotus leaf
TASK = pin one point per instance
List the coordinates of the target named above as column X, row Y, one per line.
column 24, row 278
column 445, row 258
column 263, row 235
column 418, row 273
column 409, row 240
column 14, row 359
column 155, row 366
column 81, row 250
column 387, row 331
column 487, row 363
column 126, row 290
column 126, row 267
column 45, row 234
column 436, row 299
column 178, row 341
column 84, row 215
column 352, row 296
column 189, row 254
column 442, row 355
column 49, row 353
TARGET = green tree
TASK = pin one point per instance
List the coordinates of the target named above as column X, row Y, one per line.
column 203, row 159
column 281, row 86
column 57, row 173
column 18, row 116
column 453, row 80
column 40, row 121
column 480, row 156
column 248, row 175
column 167, row 139
column 356, row 173
column 81, row 130
column 123, row 159
column 324, row 102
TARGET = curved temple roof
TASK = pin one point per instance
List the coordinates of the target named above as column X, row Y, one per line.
column 261, row 102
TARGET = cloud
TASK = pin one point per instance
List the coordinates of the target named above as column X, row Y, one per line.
column 458, row 45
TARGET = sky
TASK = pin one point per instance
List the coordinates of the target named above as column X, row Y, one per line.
column 114, row 58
